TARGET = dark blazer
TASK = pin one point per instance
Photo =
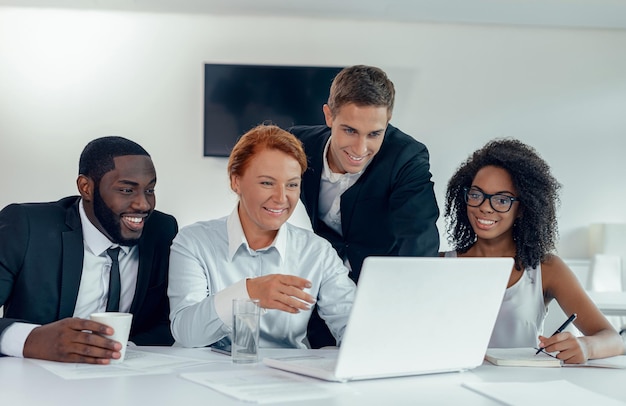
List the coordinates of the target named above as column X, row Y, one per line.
column 41, row 261
column 390, row 211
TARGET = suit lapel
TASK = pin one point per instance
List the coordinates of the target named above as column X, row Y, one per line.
column 348, row 201
column 313, row 175
column 144, row 272
column 72, row 260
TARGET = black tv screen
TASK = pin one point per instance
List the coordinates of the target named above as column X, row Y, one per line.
column 239, row 97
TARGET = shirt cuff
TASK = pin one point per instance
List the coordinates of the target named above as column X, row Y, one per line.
column 14, row 337
column 224, row 301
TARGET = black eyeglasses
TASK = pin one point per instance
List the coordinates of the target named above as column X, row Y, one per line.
column 474, row 197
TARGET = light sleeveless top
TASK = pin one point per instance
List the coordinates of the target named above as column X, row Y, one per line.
column 522, row 313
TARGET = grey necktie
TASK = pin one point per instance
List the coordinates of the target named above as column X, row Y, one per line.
column 113, row 301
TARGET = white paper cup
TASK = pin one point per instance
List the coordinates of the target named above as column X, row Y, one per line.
column 120, row 322
column 245, row 337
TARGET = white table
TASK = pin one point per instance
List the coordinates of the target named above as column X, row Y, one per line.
column 24, row 383
column 610, row 303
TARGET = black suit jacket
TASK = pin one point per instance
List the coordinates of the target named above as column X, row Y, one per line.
column 41, row 261
column 390, row 211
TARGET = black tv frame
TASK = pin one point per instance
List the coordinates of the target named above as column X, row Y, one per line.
column 238, row 97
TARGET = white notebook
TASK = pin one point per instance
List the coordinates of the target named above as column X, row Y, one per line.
column 414, row 316
column 525, row 357
column 520, row 357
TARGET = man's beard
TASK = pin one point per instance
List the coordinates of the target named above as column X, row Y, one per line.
column 110, row 221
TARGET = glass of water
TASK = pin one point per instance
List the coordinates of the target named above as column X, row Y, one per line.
column 245, row 337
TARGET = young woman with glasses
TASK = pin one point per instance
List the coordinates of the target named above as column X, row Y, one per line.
column 502, row 202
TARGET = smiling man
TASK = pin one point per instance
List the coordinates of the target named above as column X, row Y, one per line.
column 105, row 250
column 368, row 189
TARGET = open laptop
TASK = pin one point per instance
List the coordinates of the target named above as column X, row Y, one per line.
column 413, row 316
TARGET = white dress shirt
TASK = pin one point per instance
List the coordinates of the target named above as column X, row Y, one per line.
column 94, row 280
column 210, row 262
column 94, row 284
column 332, row 186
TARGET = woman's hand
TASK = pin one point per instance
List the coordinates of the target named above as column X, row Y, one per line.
column 570, row 349
column 282, row 292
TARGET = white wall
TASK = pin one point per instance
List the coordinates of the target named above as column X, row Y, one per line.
column 67, row 77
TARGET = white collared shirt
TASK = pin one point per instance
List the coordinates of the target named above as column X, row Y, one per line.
column 94, row 281
column 94, row 284
column 210, row 262
column 332, row 186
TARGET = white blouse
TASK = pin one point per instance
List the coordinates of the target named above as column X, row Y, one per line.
column 522, row 313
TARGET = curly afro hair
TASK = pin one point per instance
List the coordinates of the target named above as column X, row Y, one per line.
column 535, row 232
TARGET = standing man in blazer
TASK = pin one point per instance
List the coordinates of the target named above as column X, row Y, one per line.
column 56, row 259
column 368, row 189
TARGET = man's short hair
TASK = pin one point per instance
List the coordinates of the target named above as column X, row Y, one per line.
column 97, row 157
column 363, row 86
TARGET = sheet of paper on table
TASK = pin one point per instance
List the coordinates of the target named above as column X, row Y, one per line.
column 265, row 385
column 559, row 392
column 136, row 363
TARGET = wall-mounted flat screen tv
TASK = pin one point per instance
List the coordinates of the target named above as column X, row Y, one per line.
column 239, row 97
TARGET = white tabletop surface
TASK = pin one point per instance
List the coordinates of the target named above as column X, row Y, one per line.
column 610, row 303
column 24, row 383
